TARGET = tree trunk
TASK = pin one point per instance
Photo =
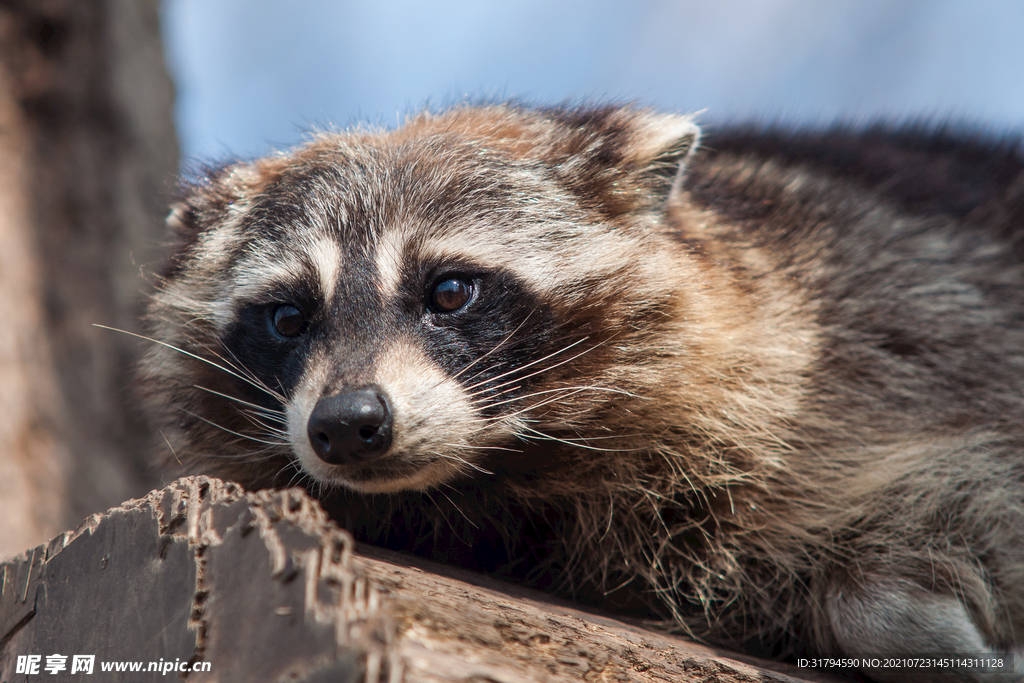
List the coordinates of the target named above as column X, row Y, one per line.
column 87, row 161
column 263, row 587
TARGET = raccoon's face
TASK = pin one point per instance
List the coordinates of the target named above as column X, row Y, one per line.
column 392, row 311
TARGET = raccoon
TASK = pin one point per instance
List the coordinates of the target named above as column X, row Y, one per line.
column 766, row 390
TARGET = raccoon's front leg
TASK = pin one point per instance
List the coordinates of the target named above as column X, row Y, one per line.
column 891, row 617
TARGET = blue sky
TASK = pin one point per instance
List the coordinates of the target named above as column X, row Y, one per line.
column 254, row 75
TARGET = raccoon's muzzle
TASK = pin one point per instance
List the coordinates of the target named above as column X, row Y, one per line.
column 351, row 427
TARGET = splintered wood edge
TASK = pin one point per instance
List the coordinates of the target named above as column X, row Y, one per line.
column 275, row 576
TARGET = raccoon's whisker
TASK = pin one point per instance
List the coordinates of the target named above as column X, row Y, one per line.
column 487, row 393
column 280, row 422
column 479, row 372
column 277, row 415
column 196, row 357
column 496, row 347
column 449, row 456
column 444, row 516
column 487, row 400
column 539, row 360
column 548, row 437
column 523, row 367
column 482, row 388
column 259, row 455
column 503, row 418
column 484, row 448
column 267, row 451
column 171, row 448
column 534, row 406
column 300, row 478
column 610, row 436
column 550, row 367
column 237, row 365
column 483, row 402
column 265, row 454
column 609, row 390
column 271, row 430
column 611, row 516
column 289, row 465
column 459, row 510
column 559, row 363
column 229, row 431
column 550, row 391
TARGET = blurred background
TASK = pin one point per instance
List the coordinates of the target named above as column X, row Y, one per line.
column 252, row 75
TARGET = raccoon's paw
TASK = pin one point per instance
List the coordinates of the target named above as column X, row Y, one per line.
column 894, row 618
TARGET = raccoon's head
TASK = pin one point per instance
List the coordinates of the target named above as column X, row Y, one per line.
column 393, row 310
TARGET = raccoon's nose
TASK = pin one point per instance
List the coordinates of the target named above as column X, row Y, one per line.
column 351, row 426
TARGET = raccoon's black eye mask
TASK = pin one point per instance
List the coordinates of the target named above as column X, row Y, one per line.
column 449, row 294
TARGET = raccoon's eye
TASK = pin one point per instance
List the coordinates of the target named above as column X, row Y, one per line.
column 288, row 321
column 450, row 295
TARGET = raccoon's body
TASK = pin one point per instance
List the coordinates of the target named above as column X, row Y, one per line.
column 770, row 391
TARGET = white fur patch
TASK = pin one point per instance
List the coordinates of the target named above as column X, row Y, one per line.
column 320, row 257
column 388, row 259
column 298, row 410
column 325, row 255
column 264, row 269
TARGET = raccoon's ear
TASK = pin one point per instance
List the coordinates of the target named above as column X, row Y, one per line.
column 664, row 145
column 619, row 159
column 183, row 218
column 208, row 196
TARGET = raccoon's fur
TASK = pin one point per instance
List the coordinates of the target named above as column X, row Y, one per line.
column 770, row 391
